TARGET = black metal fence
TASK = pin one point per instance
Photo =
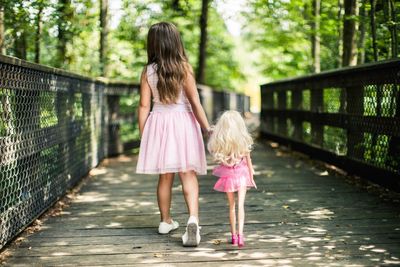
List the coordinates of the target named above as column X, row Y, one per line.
column 349, row 117
column 54, row 127
column 215, row 102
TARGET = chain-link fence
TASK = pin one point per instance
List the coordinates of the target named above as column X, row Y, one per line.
column 54, row 127
column 350, row 117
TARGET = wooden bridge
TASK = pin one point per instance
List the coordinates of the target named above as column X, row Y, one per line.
column 55, row 127
column 300, row 216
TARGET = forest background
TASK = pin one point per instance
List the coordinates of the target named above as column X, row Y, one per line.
column 233, row 45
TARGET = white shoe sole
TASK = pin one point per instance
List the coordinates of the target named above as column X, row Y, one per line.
column 165, row 233
column 192, row 233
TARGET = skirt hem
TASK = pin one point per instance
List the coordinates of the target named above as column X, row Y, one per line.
column 197, row 171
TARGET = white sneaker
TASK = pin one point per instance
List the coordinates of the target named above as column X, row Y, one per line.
column 191, row 238
column 165, row 228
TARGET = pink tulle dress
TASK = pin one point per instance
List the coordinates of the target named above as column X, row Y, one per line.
column 232, row 178
column 171, row 140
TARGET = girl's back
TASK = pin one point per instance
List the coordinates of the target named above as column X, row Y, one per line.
column 152, row 79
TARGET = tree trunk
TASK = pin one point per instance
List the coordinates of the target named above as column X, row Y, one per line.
column 349, row 57
column 393, row 28
column 203, row 42
column 175, row 5
column 340, row 37
column 315, row 35
column 38, row 33
column 20, row 44
column 103, row 37
column 373, row 30
column 362, row 30
column 19, row 16
column 2, row 48
column 65, row 15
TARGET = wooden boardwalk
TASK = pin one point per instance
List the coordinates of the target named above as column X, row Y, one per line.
column 299, row 216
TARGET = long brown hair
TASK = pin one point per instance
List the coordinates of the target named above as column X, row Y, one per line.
column 165, row 49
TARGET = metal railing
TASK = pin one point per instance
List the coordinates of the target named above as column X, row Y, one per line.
column 215, row 102
column 55, row 126
column 349, row 117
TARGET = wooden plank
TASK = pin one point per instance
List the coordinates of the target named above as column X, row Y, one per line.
column 290, row 228
column 219, row 244
column 297, row 218
column 321, row 236
column 189, row 255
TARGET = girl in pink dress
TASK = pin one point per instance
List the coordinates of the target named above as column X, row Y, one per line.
column 230, row 145
column 171, row 139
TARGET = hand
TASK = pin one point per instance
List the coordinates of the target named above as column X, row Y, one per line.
column 210, row 130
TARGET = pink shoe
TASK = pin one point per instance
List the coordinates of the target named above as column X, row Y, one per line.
column 234, row 240
column 240, row 240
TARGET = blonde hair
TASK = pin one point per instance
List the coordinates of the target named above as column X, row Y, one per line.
column 230, row 139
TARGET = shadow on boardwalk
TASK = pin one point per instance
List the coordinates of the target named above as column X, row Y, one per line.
column 299, row 216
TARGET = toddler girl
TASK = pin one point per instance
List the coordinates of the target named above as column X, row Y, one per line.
column 230, row 145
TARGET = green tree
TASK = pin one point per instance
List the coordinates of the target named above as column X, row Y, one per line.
column 349, row 57
column 279, row 30
column 203, row 41
column 39, row 6
column 2, row 50
column 103, row 37
column 65, row 15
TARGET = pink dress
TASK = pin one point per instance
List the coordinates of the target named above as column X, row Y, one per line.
column 172, row 140
column 233, row 177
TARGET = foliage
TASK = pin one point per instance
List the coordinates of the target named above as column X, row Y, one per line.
column 127, row 41
column 277, row 30
column 281, row 31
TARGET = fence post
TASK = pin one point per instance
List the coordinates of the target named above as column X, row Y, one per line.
column 88, row 108
column 282, row 123
column 354, row 106
column 226, row 100
column 240, row 103
column 63, row 109
column 394, row 144
column 114, row 141
column 104, row 119
column 246, row 105
column 297, row 102
column 216, row 104
column 206, row 98
column 317, row 129
column 267, row 102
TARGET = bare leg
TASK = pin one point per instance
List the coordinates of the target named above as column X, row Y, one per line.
column 164, row 189
column 241, row 198
column 232, row 211
column 190, row 188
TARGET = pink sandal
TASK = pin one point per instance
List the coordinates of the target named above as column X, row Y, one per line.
column 234, row 240
column 240, row 240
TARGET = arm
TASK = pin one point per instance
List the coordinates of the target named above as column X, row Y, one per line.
column 145, row 101
column 250, row 166
column 194, row 99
